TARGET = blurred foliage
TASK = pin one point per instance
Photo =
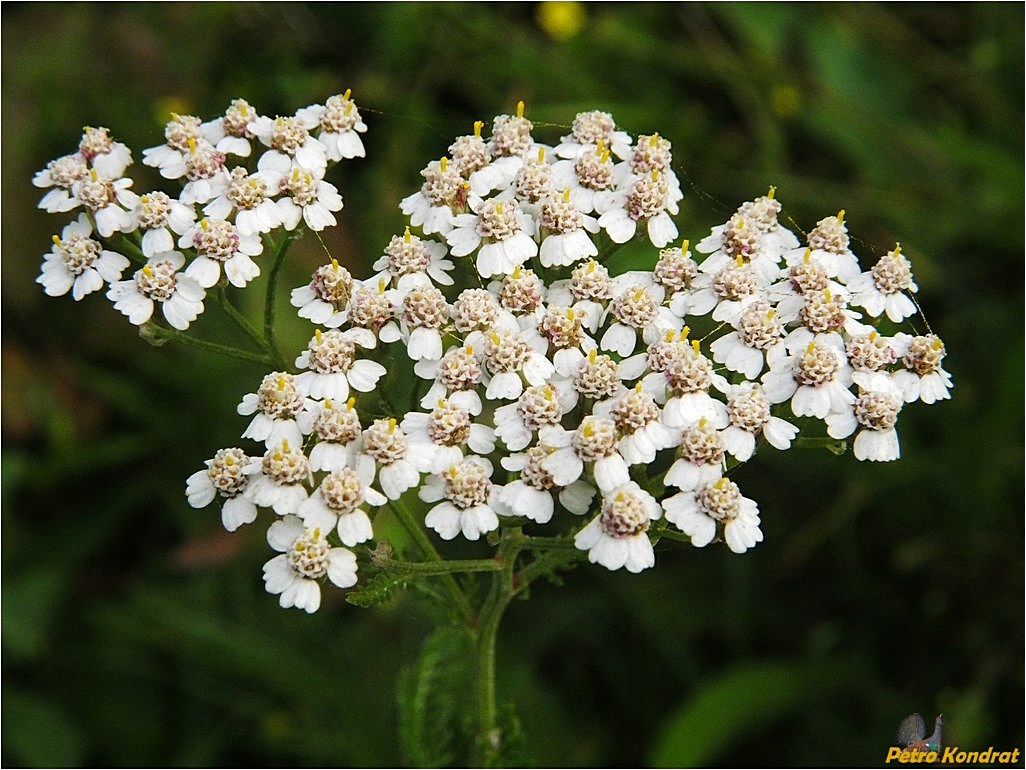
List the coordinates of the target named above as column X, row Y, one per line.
column 137, row 633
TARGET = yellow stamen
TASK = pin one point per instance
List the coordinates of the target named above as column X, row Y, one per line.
column 720, row 483
column 441, row 403
column 351, row 403
column 144, row 198
column 391, row 425
column 589, row 430
column 520, row 108
column 808, row 256
column 147, row 271
column 605, row 156
column 654, row 139
column 897, row 249
column 937, row 344
column 826, row 296
column 192, row 145
column 478, row 125
column 655, row 175
column 570, row 313
column 318, row 336
column 57, row 240
column 684, row 333
column 494, row 338
column 499, row 209
column 639, row 294
column 620, row 497
column 229, row 461
column 840, row 217
column 334, row 264
column 516, row 272
column 381, row 286
column 93, row 175
column 669, row 335
column 685, row 247
column 591, row 356
column 771, row 313
column 317, row 533
column 541, row 154
column 772, row 192
column 592, row 264
column 549, row 394
column 697, row 345
column 406, row 235
column 285, row 445
column 637, row 388
column 347, row 94
column 739, row 260
column 205, row 225
column 566, row 195
column 327, row 403
column 281, row 382
column 811, row 348
column 470, row 350
column 702, row 423
column 443, row 163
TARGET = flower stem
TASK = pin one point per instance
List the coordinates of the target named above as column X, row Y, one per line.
column 447, row 567
column 158, row 335
column 251, row 331
column 280, row 250
column 432, row 556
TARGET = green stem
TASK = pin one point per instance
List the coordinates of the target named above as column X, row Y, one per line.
column 158, row 335
column 280, row 250
column 250, row 330
column 489, row 736
column 431, row 555
column 447, row 567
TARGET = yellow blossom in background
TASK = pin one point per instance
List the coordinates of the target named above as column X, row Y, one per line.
column 561, row 20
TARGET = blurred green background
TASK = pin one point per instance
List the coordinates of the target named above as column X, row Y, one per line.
column 137, row 632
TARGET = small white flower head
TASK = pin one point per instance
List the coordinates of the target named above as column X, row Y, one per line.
column 108, row 200
column 476, row 311
column 748, row 410
column 870, row 352
column 338, row 126
column 815, row 380
column 560, row 330
column 159, row 217
column 741, row 240
column 640, row 427
column 596, row 377
column 700, row 459
column 510, row 360
column 647, row 202
column 435, row 440
column 467, row 498
column 277, row 479
column 204, row 168
column 424, row 314
column 250, row 197
column 78, row 263
column 686, row 378
column 923, row 378
column 336, row 425
column 521, row 291
column 538, row 406
column 182, row 134
column 829, row 244
column 595, row 442
column 636, row 310
column 444, row 195
column 305, row 558
column 325, row 300
column 306, row 197
column 618, row 537
column 456, row 376
column 590, row 178
column 230, row 133
column 336, row 504
column 564, row 231
column 219, row 244
column 875, row 411
column 511, row 134
column 108, row 157
column 762, row 213
column 700, row 512
column 591, row 130
column 759, row 338
column 332, row 367
column 275, row 408
column 290, row 143
column 385, row 445
column 533, row 181
column 470, row 153
column 224, row 477
column 675, row 269
column 159, row 281
column 409, row 255
column 531, row 495
column 499, row 232
column 886, row 287
column 61, row 174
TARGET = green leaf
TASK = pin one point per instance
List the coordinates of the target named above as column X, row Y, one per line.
column 38, row 733
column 433, row 698
column 741, row 701
column 378, row 589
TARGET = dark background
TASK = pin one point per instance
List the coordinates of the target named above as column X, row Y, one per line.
column 137, row 632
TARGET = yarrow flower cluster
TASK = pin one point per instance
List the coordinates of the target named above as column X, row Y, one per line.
column 493, row 368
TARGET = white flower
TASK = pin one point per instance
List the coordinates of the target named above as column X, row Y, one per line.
column 640, row 426
column 758, row 340
column 332, row 367
column 336, row 426
column 339, row 126
column 61, row 174
column 444, row 195
column 250, row 197
column 532, row 494
column 698, row 512
column 159, row 281
column 467, row 497
column 305, row 557
column 648, row 202
column 160, row 218
column 335, row 504
column 291, row 142
column 230, row 133
column 815, row 381
column 618, row 537
column 307, row 197
column 277, row 479
column 634, row 310
column 275, row 408
column 537, row 406
column 875, row 411
column 922, row 379
column 594, row 442
column 325, row 300
column 408, row 257
column 749, row 412
column 435, row 440
column 701, row 457
column 108, row 199
column 384, row 446
column 499, row 232
column 225, row 476
column 883, row 289
column 79, row 263
column 591, row 130
column 108, row 157
column 218, row 242
column 828, row 245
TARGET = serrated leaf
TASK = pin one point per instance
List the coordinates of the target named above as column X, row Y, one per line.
column 432, row 696
column 378, row 589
